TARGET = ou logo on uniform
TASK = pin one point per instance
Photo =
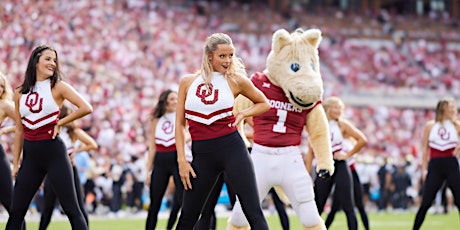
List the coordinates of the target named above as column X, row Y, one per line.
column 32, row 100
column 206, row 92
column 443, row 133
column 167, row 127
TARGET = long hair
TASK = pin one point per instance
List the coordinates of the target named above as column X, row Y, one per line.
column 160, row 108
column 441, row 109
column 65, row 111
column 30, row 77
column 236, row 67
column 7, row 92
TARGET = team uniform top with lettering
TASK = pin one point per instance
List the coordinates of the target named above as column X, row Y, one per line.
column 39, row 112
column 282, row 125
column 164, row 133
column 276, row 154
column 443, row 139
column 210, row 110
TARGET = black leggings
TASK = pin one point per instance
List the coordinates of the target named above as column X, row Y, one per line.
column 175, row 206
column 358, row 198
column 165, row 166
column 6, row 181
column 49, row 200
column 440, row 170
column 40, row 158
column 208, row 216
column 343, row 183
column 227, row 154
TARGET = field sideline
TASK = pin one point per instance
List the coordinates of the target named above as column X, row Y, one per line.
column 378, row 221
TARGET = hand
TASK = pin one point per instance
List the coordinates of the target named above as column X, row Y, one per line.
column 72, row 158
column 324, row 174
column 57, row 130
column 238, row 118
column 14, row 172
column 185, row 169
column 424, row 173
column 147, row 180
column 457, row 151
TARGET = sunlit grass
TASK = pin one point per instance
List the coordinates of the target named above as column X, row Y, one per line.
column 378, row 221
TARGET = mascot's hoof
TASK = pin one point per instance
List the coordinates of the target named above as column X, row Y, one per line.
column 324, row 174
column 231, row 226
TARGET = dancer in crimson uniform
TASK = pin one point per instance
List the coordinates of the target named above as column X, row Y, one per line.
column 76, row 140
column 339, row 127
column 37, row 102
column 205, row 100
column 162, row 161
column 347, row 145
column 439, row 160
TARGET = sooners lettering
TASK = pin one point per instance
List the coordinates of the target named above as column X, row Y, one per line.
column 284, row 106
column 32, row 100
column 205, row 92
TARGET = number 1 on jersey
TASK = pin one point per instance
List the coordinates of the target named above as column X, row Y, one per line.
column 279, row 127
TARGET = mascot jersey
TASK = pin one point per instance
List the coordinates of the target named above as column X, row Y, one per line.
column 209, row 110
column 164, row 133
column 39, row 112
column 282, row 125
column 443, row 139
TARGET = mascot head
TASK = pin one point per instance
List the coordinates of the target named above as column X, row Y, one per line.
column 293, row 65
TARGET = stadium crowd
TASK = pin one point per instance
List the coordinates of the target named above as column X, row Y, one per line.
column 121, row 54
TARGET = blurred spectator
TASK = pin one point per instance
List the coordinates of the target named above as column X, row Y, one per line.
column 400, row 182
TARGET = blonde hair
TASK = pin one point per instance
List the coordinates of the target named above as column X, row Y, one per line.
column 212, row 41
column 331, row 101
column 441, row 109
column 7, row 92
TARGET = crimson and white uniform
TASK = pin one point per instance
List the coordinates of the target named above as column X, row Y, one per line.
column 164, row 133
column 39, row 112
column 210, row 111
column 43, row 156
column 276, row 154
column 217, row 148
column 443, row 167
column 443, row 139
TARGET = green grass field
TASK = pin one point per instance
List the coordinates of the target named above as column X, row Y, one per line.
column 378, row 221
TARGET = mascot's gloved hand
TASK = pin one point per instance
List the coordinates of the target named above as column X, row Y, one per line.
column 324, row 174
